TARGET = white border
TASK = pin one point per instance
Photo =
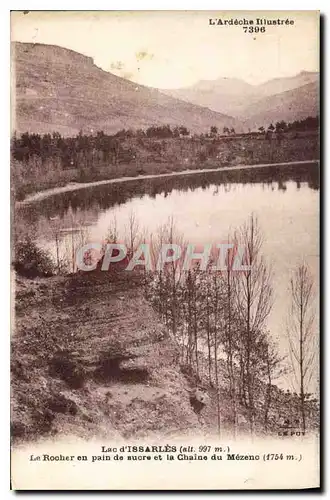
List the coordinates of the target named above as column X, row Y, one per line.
column 5, row 7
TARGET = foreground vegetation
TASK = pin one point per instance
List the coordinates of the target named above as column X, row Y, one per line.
column 42, row 162
column 220, row 319
column 212, row 325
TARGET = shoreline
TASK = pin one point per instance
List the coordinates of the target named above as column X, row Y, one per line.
column 41, row 195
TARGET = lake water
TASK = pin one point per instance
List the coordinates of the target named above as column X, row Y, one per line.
column 205, row 208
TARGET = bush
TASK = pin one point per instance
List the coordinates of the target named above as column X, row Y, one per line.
column 64, row 366
column 31, row 261
column 61, row 404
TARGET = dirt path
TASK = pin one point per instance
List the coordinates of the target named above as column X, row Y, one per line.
column 75, row 186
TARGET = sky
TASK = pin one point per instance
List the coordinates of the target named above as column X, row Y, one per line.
column 173, row 49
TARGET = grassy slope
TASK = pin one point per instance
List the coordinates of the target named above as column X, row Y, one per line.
column 68, row 329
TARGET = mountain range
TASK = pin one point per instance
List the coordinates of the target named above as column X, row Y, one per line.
column 289, row 98
column 55, row 88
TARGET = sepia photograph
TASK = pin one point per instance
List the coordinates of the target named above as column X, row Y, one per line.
column 165, row 250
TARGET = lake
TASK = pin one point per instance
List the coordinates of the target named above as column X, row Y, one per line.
column 205, row 208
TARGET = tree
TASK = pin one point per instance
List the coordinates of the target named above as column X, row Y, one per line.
column 207, row 324
column 281, row 126
column 112, row 231
column 214, row 131
column 216, row 313
column 253, row 294
column 301, row 333
column 31, row 261
column 219, row 321
column 132, row 233
column 168, row 275
column 230, row 345
column 272, row 370
column 183, row 131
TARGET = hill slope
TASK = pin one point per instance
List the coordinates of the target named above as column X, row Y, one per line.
column 59, row 89
column 291, row 105
column 278, row 85
column 238, row 98
column 91, row 359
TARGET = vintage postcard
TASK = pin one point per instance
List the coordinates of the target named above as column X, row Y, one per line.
column 165, row 250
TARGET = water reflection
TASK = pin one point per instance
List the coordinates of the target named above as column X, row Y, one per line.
column 92, row 200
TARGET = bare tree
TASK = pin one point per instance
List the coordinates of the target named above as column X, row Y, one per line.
column 132, row 233
column 208, row 310
column 301, row 333
column 112, row 231
column 175, row 271
column 168, row 272
column 230, row 336
column 56, row 232
column 272, row 370
column 253, row 295
column 216, row 342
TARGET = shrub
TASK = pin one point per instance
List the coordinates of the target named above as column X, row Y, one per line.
column 64, row 366
column 61, row 404
column 31, row 261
